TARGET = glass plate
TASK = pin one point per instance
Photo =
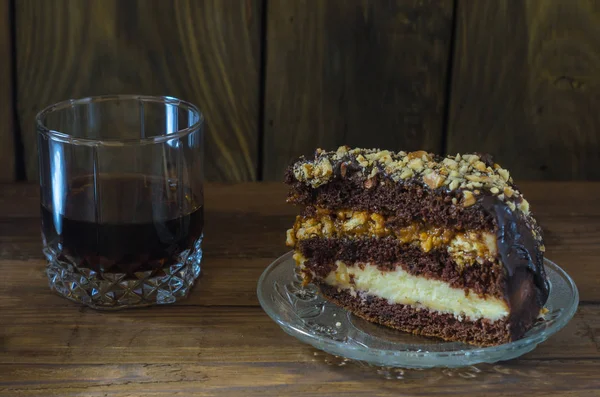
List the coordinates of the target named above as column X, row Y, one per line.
column 304, row 314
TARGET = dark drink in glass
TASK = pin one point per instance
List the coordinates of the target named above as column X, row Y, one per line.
column 122, row 199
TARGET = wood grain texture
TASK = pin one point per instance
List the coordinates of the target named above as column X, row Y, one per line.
column 314, row 376
column 192, row 350
column 207, row 52
column 220, row 342
column 369, row 73
column 526, row 86
column 7, row 146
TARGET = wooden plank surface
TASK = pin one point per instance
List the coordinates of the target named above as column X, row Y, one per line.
column 368, row 73
column 196, row 351
column 206, row 52
column 220, row 342
column 312, row 377
column 526, row 86
column 7, row 147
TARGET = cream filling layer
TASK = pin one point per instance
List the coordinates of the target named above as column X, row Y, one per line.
column 400, row 287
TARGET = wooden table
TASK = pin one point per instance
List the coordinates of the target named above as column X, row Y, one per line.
column 220, row 342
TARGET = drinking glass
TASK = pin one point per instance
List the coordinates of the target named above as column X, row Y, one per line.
column 121, row 184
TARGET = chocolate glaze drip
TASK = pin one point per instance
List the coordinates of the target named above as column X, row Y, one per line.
column 518, row 249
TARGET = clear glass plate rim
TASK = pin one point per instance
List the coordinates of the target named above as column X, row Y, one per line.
column 557, row 324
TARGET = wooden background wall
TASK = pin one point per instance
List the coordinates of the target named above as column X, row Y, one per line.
column 277, row 78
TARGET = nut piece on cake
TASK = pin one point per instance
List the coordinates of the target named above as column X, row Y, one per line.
column 443, row 247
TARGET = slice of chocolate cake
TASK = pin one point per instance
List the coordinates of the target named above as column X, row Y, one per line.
column 443, row 247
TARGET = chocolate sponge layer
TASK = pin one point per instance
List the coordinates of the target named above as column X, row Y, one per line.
column 388, row 253
column 402, row 204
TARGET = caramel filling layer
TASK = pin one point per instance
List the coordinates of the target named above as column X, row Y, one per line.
column 465, row 247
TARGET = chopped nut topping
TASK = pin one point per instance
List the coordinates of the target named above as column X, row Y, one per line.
column 342, row 151
column 503, row 173
column 416, row 164
column 290, row 239
column 378, row 156
column 374, row 172
column 524, row 206
column 470, row 158
column 406, row 173
column 450, row 163
column 466, row 172
column 434, row 180
column 362, row 160
column 454, row 184
column 474, row 178
column 469, row 199
column 480, row 165
column 417, row 155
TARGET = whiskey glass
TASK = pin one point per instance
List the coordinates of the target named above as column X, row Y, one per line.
column 121, row 199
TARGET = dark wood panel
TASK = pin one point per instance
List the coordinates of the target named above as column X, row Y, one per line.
column 369, row 73
column 7, row 147
column 526, row 86
column 207, row 52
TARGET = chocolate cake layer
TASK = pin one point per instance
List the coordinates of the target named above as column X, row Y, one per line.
column 425, row 322
column 388, row 253
column 401, row 204
column 463, row 177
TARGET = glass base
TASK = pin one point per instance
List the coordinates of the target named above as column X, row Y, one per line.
column 113, row 291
